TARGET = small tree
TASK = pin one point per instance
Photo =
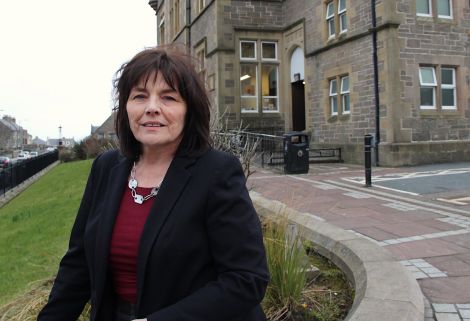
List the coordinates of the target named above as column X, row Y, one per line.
column 79, row 150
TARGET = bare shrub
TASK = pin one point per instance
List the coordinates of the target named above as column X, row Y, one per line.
column 234, row 141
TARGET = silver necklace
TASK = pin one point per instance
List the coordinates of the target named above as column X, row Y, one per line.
column 139, row 199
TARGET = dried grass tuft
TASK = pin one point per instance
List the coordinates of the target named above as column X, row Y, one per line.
column 27, row 306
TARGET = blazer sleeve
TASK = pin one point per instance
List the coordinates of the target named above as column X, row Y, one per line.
column 71, row 289
column 238, row 252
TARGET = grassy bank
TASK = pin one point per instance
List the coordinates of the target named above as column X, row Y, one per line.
column 35, row 226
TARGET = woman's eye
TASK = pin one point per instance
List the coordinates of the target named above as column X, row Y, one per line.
column 140, row 96
column 169, row 98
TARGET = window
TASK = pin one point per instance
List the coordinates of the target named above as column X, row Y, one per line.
column 201, row 62
column 333, row 97
column 444, row 8
column 448, row 95
column 269, row 87
column 330, row 19
column 248, row 84
column 345, row 95
column 161, row 32
column 339, row 101
column 336, row 20
column 423, row 8
column 175, row 17
column 247, row 49
column 444, row 86
column 200, row 5
column 427, row 79
column 343, row 24
column 267, row 83
column 269, row 50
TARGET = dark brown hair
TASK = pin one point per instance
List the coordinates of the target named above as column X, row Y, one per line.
column 178, row 71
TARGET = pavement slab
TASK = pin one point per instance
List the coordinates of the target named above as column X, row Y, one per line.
column 408, row 229
column 451, row 290
column 460, row 240
column 376, row 233
column 452, row 265
column 424, row 249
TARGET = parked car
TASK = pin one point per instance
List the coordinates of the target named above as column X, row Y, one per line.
column 22, row 156
column 4, row 161
column 33, row 154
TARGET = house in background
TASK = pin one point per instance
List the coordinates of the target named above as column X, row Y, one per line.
column 12, row 135
column 55, row 142
column 105, row 130
column 336, row 69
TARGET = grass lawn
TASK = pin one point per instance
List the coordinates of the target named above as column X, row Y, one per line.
column 35, row 227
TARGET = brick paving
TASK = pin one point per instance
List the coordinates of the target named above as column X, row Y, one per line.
column 429, row 236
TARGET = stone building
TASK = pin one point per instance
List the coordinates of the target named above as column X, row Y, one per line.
column 106, row 129
column 336, row 69
column 12, row 135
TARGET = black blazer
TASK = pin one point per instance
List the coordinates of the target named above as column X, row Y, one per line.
column 201, row 254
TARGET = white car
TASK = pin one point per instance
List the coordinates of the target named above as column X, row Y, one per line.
column 22, row 156
column 33, row 154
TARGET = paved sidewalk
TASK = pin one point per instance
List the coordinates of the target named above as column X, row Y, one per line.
column 429, row 232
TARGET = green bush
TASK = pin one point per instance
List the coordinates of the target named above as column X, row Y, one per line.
column 79, row 151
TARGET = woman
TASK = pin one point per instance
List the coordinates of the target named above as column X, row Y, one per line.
column 166, row 229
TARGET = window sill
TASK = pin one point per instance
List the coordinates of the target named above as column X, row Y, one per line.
column 448, row 20
column 441, row 113
column 336, row 118
column 435, row 19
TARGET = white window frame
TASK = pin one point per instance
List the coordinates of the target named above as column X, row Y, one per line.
column 277, row 91
column 201, row 62
column 446, row 86
column 450, row 9
column 254, row 42
column 340, row 14
column 432, row 85
column 333, row 95
column 200, row 5
column 425, row 14
column 160, row 33
column 330, row 18
column 275, row 51
column 255, row 96
column 345, row 93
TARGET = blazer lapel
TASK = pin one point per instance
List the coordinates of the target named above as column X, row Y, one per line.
column 117, row 181
column 175, row 180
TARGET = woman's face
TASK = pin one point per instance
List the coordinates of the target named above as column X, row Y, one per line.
column 156, row 114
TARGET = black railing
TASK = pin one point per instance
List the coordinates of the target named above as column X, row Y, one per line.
column 15, row 174
column 269, row 152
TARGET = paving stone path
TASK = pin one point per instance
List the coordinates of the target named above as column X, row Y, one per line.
column 429, row 236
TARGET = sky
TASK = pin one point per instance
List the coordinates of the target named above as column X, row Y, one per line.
column 58, row 59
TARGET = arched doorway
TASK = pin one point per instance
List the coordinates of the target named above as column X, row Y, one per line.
column 297, row 75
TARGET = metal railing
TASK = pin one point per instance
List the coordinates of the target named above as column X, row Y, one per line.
column 269, row 152
column 17, row 173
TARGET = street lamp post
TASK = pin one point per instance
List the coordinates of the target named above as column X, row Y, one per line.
column 60, row 136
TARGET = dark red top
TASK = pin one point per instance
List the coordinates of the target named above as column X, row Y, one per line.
column 125, row 243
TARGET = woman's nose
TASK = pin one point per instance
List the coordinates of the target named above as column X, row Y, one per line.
column 153, row 107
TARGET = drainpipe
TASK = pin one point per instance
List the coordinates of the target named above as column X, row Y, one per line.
column 376, row 83
column 188, row 21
